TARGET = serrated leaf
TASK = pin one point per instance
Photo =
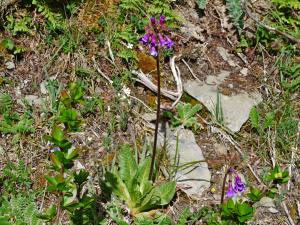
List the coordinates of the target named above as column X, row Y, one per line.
column 236, row 13
column 166, row 192
column 127, row 164
column 5, row 103
column 185, row 115
column 143, row 175
column 118, row 187
column 81, row 177
column 269, row 120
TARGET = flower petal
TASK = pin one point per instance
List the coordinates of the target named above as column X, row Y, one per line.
column 170, row 43
column 153, row 51
column 239, row 185
column 231, row 191
column 153, row 20
column 145, row 39
column 162, row 20
column 162, row 41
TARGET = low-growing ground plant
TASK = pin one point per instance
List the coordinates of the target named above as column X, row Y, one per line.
column 130, row 182
column 17, row 199
column 185, row 116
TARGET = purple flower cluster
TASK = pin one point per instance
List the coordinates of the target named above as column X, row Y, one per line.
column 155, row 35
column 236, row 187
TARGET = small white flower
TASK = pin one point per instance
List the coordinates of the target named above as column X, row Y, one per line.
column 129, row 45
column 108, row 108
column 126, row 91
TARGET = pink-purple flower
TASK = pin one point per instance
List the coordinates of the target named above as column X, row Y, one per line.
column 240, row 186
column 237, row 187
column 231, row 190
column 156, row 37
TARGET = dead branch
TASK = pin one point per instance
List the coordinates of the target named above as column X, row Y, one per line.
column 143, row 79
column 238, row 148
column 271, row 29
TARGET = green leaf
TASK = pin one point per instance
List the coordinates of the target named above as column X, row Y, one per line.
column 49, row 214
column 57, row 134
column 117, row 186
column 254, row 118
column 150, row 201
column 52, row 180
column 81, row 177
column 184, row 217
column 230, row 204
column 269, row 119
column 245, row 212
column 56, row 162
column 255, row 194
column 166, row 192
column 244, row 209
column 127, row 164
column 72, row 154
column 4, row 220
column 185, row 116
column 5, row 103
column 143, row 175
column 201, row 4
column 8, row 44
column 76, row 91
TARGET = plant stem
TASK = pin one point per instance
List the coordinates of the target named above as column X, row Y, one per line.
column 151, row 174
column 223, row 187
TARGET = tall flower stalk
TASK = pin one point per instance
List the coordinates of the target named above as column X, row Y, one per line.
column 156, row 38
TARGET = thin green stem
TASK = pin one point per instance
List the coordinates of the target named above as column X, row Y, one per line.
column 151, row 174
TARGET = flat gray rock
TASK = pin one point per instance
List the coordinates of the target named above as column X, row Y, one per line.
column 236, row 108
column 196, row 178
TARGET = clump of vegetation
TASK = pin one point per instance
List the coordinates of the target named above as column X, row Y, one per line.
column 88, row 132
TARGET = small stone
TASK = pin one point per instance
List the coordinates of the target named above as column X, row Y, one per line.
column 149, row 117
column 18, row 92
column 265, row 202
column 10, row 65
column 34, row 100
column 273, row 210
column 226, row 56
column 244, row 71
column 230, row 86
column 43, row 87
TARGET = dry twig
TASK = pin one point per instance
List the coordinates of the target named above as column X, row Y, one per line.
column 191, row 71
column 101, row 73
column 271, row 29
column 287, row 213
column 238, row 148
column 143, row 79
